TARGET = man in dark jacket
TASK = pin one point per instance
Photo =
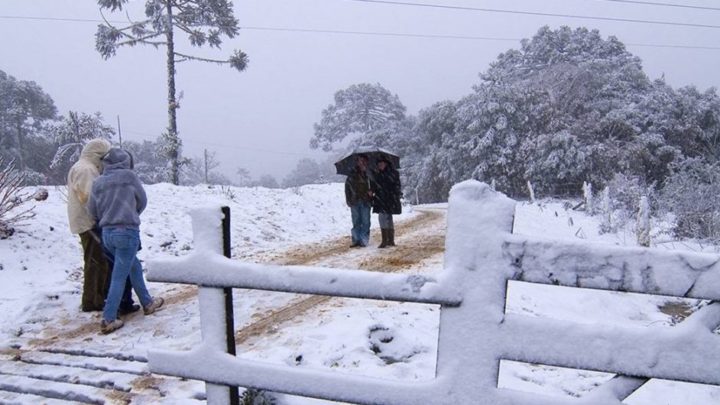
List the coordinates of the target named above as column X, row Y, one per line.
column 358, row 197
column 386, row 201
column 116, row 202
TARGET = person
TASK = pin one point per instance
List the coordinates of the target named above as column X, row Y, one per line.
column 116, row 202
column 358, row 196
column 386, row 201
column 79, row 184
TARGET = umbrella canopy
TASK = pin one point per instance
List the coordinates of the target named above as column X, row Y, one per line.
column 345, row 165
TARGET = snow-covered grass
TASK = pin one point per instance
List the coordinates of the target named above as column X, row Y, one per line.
column 40, row 278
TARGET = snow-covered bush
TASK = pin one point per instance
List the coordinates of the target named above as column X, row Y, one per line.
column 12, row 196
column 626, row 192
column 33, row 178
column 691, row 194
column 620, row 201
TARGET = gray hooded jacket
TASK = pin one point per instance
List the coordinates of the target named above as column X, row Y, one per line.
column 117, row 197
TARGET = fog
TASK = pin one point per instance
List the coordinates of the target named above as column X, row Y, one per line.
column 262, row 119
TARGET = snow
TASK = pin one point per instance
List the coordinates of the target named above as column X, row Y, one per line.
column 354, row 344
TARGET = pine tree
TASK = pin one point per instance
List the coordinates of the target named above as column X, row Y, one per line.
column 204, row 22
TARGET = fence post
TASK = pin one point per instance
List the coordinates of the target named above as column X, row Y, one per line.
column 227, row 292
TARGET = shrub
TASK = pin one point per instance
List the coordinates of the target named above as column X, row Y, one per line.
column 691, row 195
column 12, row 196
column 253, row 396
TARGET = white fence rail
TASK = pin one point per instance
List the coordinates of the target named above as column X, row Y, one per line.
column 475, row 332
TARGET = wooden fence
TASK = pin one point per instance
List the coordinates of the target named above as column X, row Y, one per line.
column 475, row 333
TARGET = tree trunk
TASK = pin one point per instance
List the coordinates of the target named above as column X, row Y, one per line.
column 21, row 147
column 174, row 147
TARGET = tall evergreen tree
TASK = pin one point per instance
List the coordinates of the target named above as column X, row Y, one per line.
column 204, row 22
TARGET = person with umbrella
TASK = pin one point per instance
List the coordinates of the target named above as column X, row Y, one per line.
column 386, row 201
column 358, row 196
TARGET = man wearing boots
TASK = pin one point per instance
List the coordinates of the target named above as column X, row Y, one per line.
column 386, row 201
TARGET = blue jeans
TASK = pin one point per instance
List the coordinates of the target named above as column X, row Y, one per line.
column 360, row 213
column 123, row 244
column 386, row 221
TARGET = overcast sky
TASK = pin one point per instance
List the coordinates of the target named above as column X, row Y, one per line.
column 262, row 119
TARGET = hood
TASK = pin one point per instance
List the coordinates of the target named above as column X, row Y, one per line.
column 117, row 158
column 95, row 150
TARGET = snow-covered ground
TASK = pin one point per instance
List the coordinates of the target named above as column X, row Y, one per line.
column 40, row 282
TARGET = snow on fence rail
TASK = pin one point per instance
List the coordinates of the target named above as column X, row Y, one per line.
column 475, row 332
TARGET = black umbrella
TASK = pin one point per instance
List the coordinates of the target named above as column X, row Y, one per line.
column 345, row 165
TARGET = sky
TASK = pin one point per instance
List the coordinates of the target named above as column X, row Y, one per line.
column 262, row 119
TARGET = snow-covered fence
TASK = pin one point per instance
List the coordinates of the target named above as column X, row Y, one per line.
column 475, row 332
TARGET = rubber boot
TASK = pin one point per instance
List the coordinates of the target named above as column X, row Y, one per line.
column 391, row 237
column 384, row 243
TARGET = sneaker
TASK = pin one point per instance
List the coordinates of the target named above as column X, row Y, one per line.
column 110, row 326
column 154, row 305
column 128, row 309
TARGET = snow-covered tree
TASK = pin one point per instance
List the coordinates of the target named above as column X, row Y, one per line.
column 267, row 181
column 203, row 22
column 243, row 175
column 24, row 109
column 555, row 162
column 201, row 170
column 307, row 171
column 691, row 195
column 71, row 134
column 568, row 106
column 362, row 110
column 150, row 164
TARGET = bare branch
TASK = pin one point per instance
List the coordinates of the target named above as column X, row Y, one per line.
column 199, row 59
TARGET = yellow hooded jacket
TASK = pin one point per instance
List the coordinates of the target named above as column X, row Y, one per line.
column 79, row 183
